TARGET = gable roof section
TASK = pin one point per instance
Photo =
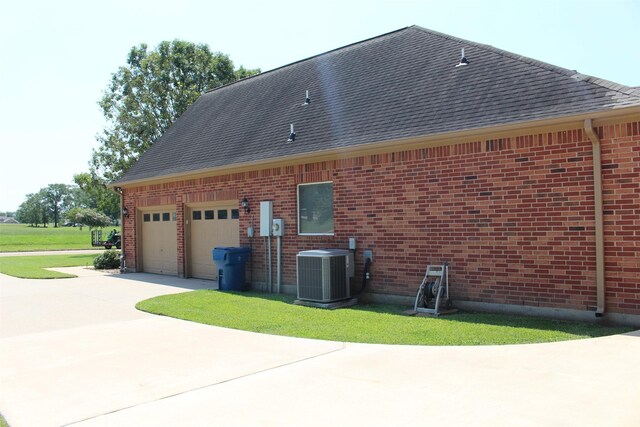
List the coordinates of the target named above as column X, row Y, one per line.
column 399, row 85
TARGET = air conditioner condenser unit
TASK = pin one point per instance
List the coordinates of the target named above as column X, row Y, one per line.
column 323, row 275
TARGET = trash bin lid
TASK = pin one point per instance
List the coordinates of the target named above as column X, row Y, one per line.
column 231, row 254
column 232, row 249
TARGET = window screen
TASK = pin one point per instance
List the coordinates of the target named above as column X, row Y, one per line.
column 315, row 208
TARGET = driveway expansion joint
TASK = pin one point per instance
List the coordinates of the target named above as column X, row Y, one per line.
column 272, row 368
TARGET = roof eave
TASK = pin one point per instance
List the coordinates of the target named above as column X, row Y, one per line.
column 423, row 141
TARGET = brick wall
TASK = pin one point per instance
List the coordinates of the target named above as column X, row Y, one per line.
column 514, row 216
column 621, row 206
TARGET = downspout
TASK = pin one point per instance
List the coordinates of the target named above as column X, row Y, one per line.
column 123, row 266
column 597, row 199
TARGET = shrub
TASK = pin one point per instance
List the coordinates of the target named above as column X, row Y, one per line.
column 107, row 261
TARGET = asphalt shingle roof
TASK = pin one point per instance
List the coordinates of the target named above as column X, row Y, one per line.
column 399, row 85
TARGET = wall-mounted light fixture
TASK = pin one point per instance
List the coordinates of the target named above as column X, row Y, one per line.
column 125, row 212
column 245, row 205
column 292, row 135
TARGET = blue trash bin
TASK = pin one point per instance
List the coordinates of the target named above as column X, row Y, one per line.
column 231, row 265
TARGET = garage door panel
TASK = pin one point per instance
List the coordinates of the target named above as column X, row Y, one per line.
column 211, row 227
column 159, row 242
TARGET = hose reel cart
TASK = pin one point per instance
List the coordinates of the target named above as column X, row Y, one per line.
column 433, row 290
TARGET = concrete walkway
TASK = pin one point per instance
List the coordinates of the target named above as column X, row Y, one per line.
column 76, row 352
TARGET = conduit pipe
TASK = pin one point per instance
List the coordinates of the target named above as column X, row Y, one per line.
column 597, row 199
column 270, row 272
column 267, row 256
column 279, row 269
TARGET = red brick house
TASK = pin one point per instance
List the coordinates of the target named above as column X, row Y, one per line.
column 524, row 175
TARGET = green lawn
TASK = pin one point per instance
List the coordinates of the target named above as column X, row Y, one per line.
column 32, row 267
column 384, row 324
column 23, row 238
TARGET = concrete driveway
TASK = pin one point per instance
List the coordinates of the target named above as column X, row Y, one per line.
column 76, row 352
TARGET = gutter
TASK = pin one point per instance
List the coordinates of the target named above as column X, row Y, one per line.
column 599, row 223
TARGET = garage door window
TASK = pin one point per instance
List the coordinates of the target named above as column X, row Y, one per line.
column 235, row 214
column 222, row 214
column 197, row 215
column 208, row 214
column 159, row 243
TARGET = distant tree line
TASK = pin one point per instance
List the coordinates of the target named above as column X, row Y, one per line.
column 58, row 202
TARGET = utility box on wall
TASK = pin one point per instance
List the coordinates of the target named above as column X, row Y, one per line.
column 278, row 227
column 266, row 218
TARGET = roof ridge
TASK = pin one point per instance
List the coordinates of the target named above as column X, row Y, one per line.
column 607, row 84
column 428, row 98
column 310, row 58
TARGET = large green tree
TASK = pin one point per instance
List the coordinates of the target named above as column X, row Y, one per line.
column 149, row 93
column 92, row 193
column 34, row 210
column 58, row 198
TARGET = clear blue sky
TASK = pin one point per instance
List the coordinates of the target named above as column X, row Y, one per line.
column 58, row 56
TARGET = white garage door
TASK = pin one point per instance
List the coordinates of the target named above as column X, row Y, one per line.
column 211, row 226
column 159, row 241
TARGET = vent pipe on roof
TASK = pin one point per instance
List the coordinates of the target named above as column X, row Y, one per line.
column 463, row 60
column 307, row 100
column 292, row 135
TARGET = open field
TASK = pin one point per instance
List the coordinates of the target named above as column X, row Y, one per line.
column 23, row 238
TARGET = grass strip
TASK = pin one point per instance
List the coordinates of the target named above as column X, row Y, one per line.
column 33, row 267
column 382, row 324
